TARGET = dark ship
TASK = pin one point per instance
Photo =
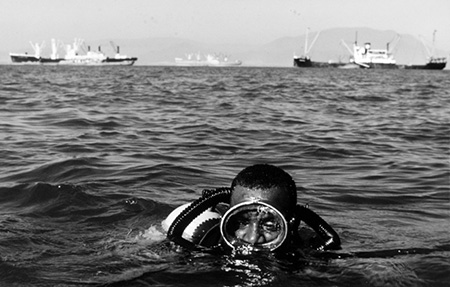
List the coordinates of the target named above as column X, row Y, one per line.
column 433, row 63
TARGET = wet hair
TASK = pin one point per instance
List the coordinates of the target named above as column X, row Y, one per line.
column 265, row 176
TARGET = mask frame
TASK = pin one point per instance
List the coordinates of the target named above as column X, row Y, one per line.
column 234, row 243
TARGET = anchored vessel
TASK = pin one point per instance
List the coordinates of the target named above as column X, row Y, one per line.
column 433, row 63
column 210, row 60
column 93, row 57
column 27, row 58
column 73, row 56
column 366, row 57
column 305, row 61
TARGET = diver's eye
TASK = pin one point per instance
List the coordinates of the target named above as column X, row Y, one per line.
column 271, row 226
column 243, row 222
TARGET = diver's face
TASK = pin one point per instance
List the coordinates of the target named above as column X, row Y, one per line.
column 257, row 227
column 254, row 219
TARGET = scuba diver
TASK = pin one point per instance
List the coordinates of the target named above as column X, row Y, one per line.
column 258, row 213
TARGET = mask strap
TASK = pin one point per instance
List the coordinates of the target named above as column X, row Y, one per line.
column 209, row 199
column 324, row 230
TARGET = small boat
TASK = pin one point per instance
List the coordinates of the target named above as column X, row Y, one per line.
column 210, row 60
column 433, row 63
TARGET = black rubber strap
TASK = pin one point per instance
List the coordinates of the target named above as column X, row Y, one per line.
column 324, row 230
column 209, row 199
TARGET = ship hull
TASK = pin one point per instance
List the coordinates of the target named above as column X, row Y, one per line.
column 307, row 63
column 210, row 61
column 98, row 62
column 50, row 61
column 377, row 66
column 428, row 66
column 206, row 64
column 190, row 64
column 303, row 63
column 73, row 62
column 72, row 57
column 121, row 61
column 24, row 59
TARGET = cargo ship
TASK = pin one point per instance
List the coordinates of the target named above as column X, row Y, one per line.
column 305, row 61
column 209, row 60
column 73, row 56
column 368, row 58
column 433, row 63
column 25, row 58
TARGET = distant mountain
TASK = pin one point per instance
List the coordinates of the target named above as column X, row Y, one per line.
column 329, row 46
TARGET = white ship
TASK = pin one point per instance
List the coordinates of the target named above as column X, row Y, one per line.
column 209, row 60
column 74, row 55
column 366, row 57
column 93, row 57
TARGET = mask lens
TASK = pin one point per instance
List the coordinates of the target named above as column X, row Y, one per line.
column 258, row 225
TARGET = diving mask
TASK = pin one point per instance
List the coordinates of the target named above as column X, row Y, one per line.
column 254, row 225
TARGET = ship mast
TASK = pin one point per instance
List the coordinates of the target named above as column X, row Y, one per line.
column 307, row 50
column 346, row 46
column 306, row 42
column 434, row 47
column 430, row 53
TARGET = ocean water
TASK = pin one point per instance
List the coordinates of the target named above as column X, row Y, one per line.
column 93, row 158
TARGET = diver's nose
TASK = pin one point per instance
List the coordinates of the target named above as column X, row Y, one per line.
column 252, row 234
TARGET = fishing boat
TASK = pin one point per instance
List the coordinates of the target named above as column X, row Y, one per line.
column 433, row 63
column 209, row 60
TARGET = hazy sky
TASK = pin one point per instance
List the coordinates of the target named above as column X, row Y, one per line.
column 228, row 21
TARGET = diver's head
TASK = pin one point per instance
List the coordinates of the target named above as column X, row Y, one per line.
column 262, row 204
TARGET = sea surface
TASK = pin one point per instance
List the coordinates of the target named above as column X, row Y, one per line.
column 93, row 158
